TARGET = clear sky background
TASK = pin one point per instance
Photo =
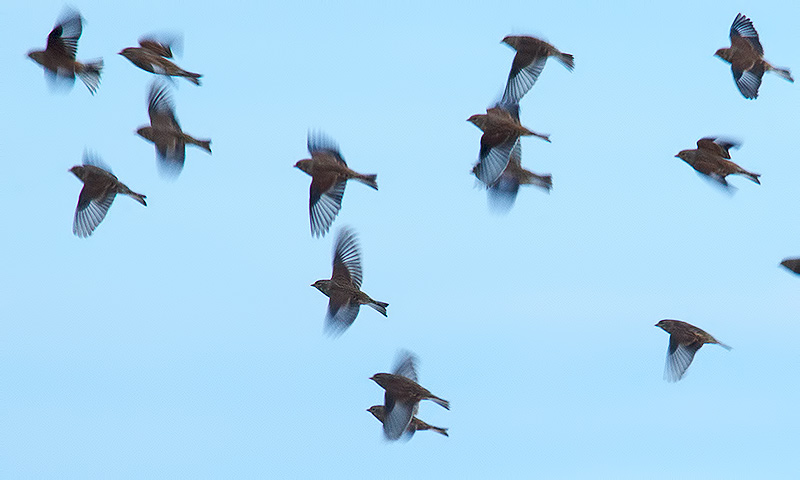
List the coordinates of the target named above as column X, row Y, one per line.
column 182, row 340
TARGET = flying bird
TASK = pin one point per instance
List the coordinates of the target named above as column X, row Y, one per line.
column 402, row 396
column 746, row 56
column 416, row 424
column 503, row 192
column 58, row 57
column 344, row 287
column 329, row 175
column 154, row 56
column 792, row 264
column 165, row 132
column 532, row 54
column 684, row 341
column 100, row 187
column 501, row 131
column 712, row 158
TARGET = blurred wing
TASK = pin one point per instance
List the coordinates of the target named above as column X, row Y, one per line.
column 494, row 161
column 503, row 194
column 347, row 259
column 742, row 27
column 319, row 142
column 342, row 312
column 406, row 365
column 90, row 212
column 159, row 47
column 63, row 39
column 90, row 158
column 170, row 156
column 160, row 107
column 748, row 81
column 524, row 72
column 679, row 357
column 397, row 417
column 325, row 202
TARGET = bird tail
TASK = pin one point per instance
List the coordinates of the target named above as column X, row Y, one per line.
column 784, row 73
column 371, row 180
column 752, row 176
column 441, row 402
column 543, row 136
column 567, row 59
column 192, row 77
column 440, row 430
column 380, row 307
column 726, row 347
column 541, row 181
column 204, row 144
column 89, row 73
column 136, row 196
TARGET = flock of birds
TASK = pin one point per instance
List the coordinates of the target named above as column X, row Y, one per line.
column 499, row 169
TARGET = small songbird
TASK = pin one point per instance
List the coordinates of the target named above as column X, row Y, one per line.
column 58, row 57
column 416, row 424
column 712, row 158
column 329, row 175
column 746, row 56
column 402, row 396
column 153, row 56
column 501, row 131
column 100, row 187
column 165, row 132
column 503, row 192
column 684, row 341
column 532, row 54
column 344, row 286
column 792, row 264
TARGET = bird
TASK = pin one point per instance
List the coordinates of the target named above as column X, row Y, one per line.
column 684, row 341
column 746, row 56
column 532, row 54
column 712, row 158
column 792, row 264
column 501, row 131
column 58, row 57
column 329, row 175
column 100, row 187
column 154, row 55
column 344, row 287
column 402, row 396
column 165, row 132
column 503, row 193
column 416, row 424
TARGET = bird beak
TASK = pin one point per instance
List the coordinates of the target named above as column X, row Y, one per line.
column 677, row 156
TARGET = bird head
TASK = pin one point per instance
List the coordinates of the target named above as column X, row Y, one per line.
column 377, row 411
column 381, row 379
column 78, row 171
column 479, row 120
column 724, row 53
column 511, row 40
column 128, row 52
column 305, row 165
column 665, row 325
column 145, row 132
column 685, row 155
column 37, row 56
column 321, row 285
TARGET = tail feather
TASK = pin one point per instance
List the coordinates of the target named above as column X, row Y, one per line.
column 567, row 59
column 193, row 77
column 752, row 176
column 784, row 73
column 726, row 347
column 441, row 402
column 371, row 180
column 89, row 73
column 204, row 144
column 138, row 197
column 380, row 307
column 440, row 430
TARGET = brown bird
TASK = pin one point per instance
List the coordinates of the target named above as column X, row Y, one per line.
column 402, row 396
column 712, row 158
column 165, row 132
column 153, row 55
column 329, row 175
column 501, row 131
column 532, row 54
column 792, row 264
column 58, row 57
column 684, row 341
column 344, row 286
column 746, row 57
column 416, row 424
column 503, row 193
column 100, row 187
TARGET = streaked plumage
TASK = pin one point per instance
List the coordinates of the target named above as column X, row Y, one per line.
column 165, row 132
column 58, row 57
column 532, row 54
column 344, row 286
column 153, row 55
column 100, row 187
column 684, row 341
column 746, row 56
column 402, row 396
column 712, row 158
column 329, row 175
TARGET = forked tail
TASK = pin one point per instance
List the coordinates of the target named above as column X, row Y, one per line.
column 380, row 307
column 371, row 180
column 567, row 59
column 784, row 73
column 89, row 73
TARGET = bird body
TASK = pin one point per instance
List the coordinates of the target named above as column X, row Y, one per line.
column 154, row 57
column 532, row 54
column 684, row 341
column 416, row 424
column 711, row 158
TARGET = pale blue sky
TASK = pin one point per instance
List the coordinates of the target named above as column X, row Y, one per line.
column 182, row 340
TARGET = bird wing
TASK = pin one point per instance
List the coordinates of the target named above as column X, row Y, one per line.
column 342, row 312
column 63, row 39
column 160, row 107
column 347, row 259
column 161, row 49
column 493, row 160
column 503, row 193
column 748, row 81
column 318, row 142
column 679, row 356
column 406, row 365
column 325, row 201
column 715, row 146
column 397, row 417
column 93, row 204
column 525, row 71
column 743, row 29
